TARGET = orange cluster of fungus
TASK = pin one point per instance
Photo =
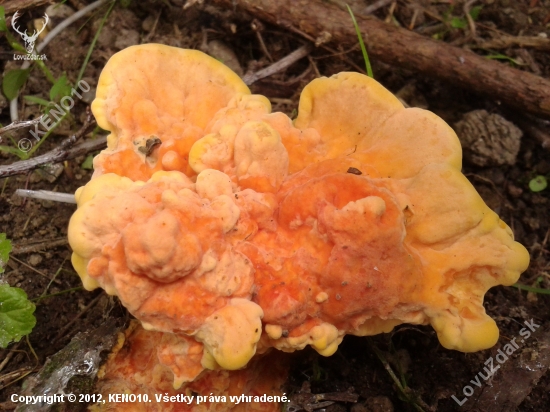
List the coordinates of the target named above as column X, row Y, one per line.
column 136, row 366
column 235, row 230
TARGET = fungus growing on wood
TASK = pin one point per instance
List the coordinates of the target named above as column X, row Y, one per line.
column 243, row 231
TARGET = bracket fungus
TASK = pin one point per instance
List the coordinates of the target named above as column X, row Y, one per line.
column 238, row 230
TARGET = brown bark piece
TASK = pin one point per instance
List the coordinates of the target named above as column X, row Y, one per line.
column 403, row 48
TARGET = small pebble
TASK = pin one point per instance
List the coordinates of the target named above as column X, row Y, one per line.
column 34, row 260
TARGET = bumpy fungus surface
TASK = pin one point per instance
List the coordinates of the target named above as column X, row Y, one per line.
column 243, row 230
column 135, row 366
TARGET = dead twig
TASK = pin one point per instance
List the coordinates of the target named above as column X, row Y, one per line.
column 34, row 270
column 540, row 135
column 411, row 396
column 63, row 152
column 430, row 13
column 14, row 376
column 82, row 312
column 315, row 40
column 314, row 65
column 416, row 12
column 153, row 29
column 295, row 79
column 471, row 22
column 9, row 356
column 257, row 27
column 389, row 16
column 403, row 48
column 340, row 53
column 305, row 400
column 374, row 6
column 47, row 195
column 533, row 127
column 19, row 124
column 38, row 247
column 278, row 66
column 489, row 181
column 279, row 100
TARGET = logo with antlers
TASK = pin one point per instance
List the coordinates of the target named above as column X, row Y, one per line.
column 29, row 40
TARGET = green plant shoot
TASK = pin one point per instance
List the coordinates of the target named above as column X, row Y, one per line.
column 363, row 48
column 538, row 184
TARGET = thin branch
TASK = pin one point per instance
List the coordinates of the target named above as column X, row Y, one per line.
column 47, row 195
column 278, row 66
column 257, row 27
column 82, row 312
column 537, row 129
column 400, row 47
column 38, row 247
column 294, row 79
column 60, row 153
column 19, row 124
column 471, row 21
column 33, row 269
column 57, row 155
column 373, row 7
column 14, row 376
column 409, row 394
column 9, row 355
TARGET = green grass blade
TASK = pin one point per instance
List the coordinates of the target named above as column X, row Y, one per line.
column 94, row 41
column 363, row 48
column 531, row 289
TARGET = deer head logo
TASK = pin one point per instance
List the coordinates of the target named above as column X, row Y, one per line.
column 29, row 40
